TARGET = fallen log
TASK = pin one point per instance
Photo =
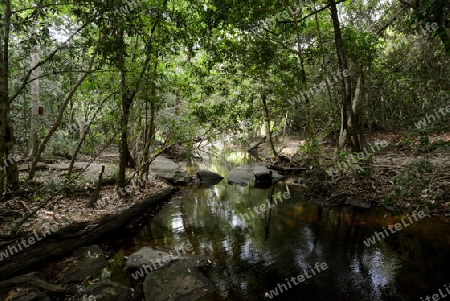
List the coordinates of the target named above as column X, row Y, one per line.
column 36, row 282
column 287, row 169
column 66, row 240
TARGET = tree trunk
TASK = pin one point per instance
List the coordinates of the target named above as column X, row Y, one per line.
column 34, row 126
column 267, row 121
column 7, row 134
column 350, row 114
column 68, row 239
column 352, row 123
column 309, row 132
column 149, row 127
column 57, row 122
column 126, row 105
column 85, row 133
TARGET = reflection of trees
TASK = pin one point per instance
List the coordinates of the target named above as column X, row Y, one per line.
column 268, row 213
column 294, row 234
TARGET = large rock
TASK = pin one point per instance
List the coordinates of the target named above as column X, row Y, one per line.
column 275, row 175
column 174, row 259
column 241, row 175
column 107, row 291
column 176, row 285
column 148, row 256
column 262, row 173
column 163, row 164
column 90, row 261
column 169, row 170
column 208, row 177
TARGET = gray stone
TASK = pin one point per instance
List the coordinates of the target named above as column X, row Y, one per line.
column 148, row 256
column 241, row 175
column 261, row 173
column 178, row 260
column 276, row 176
column 208, row 177
column 90, row 261
column 107, row 291
column 179, row 177
column 167, row 169
column 162, row 164
column 176, row 285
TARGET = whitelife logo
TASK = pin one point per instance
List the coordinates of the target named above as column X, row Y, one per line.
column 144, row 270
column 14, row 249
column 437, row 297
column 422, row 124
column 278, row 198
column 319, row 267
column 317, row 88
column 373, row 240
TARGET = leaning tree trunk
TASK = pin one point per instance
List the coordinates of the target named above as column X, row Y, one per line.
column 58, row 120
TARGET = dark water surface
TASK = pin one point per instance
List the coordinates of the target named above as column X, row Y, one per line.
column 252, row 255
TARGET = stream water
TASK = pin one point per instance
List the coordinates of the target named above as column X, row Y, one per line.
column 252, row 255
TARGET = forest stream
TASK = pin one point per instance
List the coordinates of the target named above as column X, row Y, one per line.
column 252, row 255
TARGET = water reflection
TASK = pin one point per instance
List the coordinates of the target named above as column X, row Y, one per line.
column 252, row 255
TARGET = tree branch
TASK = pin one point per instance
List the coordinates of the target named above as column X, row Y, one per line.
column 48, row 58
column 310, row 15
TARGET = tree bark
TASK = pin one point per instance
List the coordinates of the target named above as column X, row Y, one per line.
column 309, row 132
column 267, row 120
column 6, row 129
column 34, row 86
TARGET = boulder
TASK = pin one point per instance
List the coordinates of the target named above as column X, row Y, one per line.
column 148, row 256
column 107, row 291
column 176, row 285
column 167, row 169
column 179, row 177
column 275, row 175
column 162, row 164
column 90, row 260
column 261, row 173
column 241, row 175
column 178, row 259
column 208, row 177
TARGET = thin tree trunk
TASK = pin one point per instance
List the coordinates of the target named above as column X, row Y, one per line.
column 352, row 106
column 34, row 126
column 85, row 133
column 126, row 104
column 57, row 122
column 345, row 81
column 267, row 121
column 309, row 121
column 150, row 128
